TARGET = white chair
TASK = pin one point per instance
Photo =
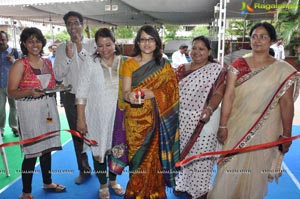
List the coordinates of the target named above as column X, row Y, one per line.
column 4, row 159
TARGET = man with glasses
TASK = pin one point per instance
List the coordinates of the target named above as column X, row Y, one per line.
column 8, row 56
column 69, row 58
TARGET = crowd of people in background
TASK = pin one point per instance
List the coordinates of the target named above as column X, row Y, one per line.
column 148, row 113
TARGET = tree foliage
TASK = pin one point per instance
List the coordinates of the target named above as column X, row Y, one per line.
column 288, row 22
column 200, row 30
column 61, row 36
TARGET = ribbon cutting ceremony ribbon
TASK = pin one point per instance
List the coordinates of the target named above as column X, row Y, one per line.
column 37, row 138
column 232, row 151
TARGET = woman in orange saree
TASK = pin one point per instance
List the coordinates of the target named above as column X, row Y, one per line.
column 258, row 107
column 151, row 118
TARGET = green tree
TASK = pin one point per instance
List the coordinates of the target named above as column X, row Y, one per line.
column 170, row 31
column 125, row 32
column 200, row 30
column 238, row 28
column 61, row 36
column 288, row 23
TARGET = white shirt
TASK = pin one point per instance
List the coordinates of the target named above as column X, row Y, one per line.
column 178, row 58
column 279, row 51
column 66, row 69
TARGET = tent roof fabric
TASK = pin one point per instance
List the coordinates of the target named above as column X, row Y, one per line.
column 130, row 12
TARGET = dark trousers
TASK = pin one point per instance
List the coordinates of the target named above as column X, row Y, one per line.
column 71, row 113
column 101, row 170
column 28, row 171
column 62, row 95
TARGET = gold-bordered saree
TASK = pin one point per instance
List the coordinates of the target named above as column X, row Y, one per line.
column 152, row 131
column 255, row 119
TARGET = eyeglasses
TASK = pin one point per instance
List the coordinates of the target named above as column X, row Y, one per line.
column 32, row 42
column 261, row 37
column 149, row 40
column 74, row 23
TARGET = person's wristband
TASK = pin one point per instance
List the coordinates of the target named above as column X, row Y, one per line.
column 222, row 127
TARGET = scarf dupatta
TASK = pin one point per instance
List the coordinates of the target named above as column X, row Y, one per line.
column 163, row 84
column 119, row 158
column 279, row 77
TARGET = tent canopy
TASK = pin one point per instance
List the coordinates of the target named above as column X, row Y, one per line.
column 130, row 12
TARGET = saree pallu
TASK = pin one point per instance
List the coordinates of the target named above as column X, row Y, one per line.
column 152, row 132
column 195, row 91
column 255, row 119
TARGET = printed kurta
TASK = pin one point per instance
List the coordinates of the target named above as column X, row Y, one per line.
column 99, row 84
column 33, row 113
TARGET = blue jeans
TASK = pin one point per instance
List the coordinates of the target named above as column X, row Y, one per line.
column 12, row 119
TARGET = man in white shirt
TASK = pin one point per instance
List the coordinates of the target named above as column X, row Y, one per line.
column 69, row 59
column 178, row 57
column 279, row 49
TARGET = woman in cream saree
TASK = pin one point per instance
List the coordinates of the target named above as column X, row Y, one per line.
column 259, row 99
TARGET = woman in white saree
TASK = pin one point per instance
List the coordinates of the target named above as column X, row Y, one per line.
column 201, row 87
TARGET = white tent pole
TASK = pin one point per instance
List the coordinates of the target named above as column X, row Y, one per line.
column 13, row 28
column 221, row 34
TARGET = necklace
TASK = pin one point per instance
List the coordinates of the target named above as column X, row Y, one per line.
column 195, row 66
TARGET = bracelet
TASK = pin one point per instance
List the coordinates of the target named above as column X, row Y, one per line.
column 210, row 109
column 222, row 127
column 81, row 101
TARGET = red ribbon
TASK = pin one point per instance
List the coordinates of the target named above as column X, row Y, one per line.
column 232, row 151
column 139, row 93
column 34, row 139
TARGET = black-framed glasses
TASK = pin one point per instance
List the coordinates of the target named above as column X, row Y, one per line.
column 149, row 40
